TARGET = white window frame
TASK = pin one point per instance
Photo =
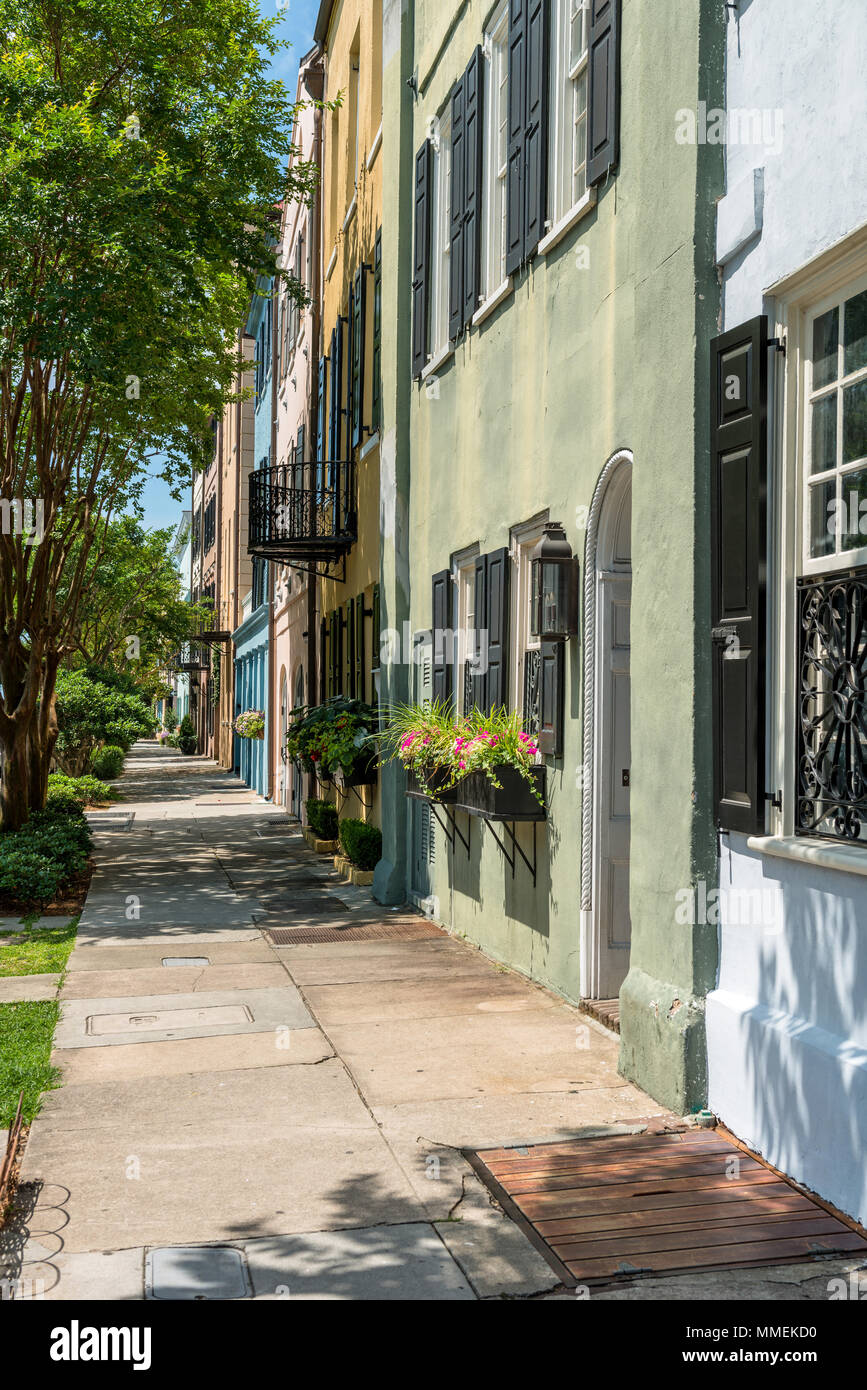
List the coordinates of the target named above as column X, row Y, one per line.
column 523, row 540
column 463, row 614
column 794, row 301
column 837, row 559
column 441, row 141
column 496, row 152
column 567, row 73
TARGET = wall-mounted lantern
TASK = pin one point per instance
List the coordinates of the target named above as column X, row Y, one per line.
column 554, row 587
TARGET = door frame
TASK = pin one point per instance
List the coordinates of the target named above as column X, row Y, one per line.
column 614, row 480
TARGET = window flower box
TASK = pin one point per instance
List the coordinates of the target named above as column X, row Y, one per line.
column 363, row 774
column 513, row 800
column 432, row 786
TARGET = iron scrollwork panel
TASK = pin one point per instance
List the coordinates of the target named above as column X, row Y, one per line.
column 832, row 708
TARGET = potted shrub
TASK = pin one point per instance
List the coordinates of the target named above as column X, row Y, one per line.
column 188, row 739
column 250, row 724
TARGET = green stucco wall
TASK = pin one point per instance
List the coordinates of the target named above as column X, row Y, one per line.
column 575, row 365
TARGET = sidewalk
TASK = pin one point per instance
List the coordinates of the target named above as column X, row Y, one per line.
column 304, row 1105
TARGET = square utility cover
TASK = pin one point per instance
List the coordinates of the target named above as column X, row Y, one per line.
column 191, row 1272
column 186, row 960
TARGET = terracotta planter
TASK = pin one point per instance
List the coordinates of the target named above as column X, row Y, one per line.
column 513, row 801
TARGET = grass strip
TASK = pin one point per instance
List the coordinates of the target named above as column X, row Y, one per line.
column 26, row 1034
column 41, row 952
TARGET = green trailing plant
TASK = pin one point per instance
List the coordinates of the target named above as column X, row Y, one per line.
column 107, row 762
column 361, row 843
column 337, row 736
column 322, row 818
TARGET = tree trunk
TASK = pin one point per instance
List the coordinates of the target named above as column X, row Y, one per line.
column 15, row 786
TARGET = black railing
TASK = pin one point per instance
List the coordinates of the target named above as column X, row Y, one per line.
column 832, row 707
column 303, row 511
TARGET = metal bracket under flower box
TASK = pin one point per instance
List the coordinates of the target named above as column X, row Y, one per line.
column 511, row 859
column 450, row 830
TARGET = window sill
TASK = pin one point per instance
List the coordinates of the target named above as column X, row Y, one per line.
column 820, row 853
column 493, row 301
column 369, row 446
column 374, row 149
column 331, row 264
column 437, row 361
column 559, row 230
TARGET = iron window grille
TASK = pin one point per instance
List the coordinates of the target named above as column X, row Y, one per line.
column 832, row 707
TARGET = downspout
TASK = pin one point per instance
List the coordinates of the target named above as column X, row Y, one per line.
column 236, row 555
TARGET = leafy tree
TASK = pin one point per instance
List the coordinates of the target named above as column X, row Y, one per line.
column 92, row 712
column 142, row 153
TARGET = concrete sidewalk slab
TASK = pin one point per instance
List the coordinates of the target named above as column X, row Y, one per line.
column 117, row 1275
column 169, row 935
column 445, row 996
column 456, row 1057
column 92, row 984
column 403, row 1263
column 411, row 961
column 28, row 987
column 229, row 1052
column 270, row 1009
column 219, row 1155
column 94, row 956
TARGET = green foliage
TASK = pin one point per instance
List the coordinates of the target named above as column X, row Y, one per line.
column 45, row 854
column 361, row 843
column 438, row 747
column 187, row 738
column 91, row 711
column 41, row 952
column 107, row 763
column 331, row 737
column 322, row 818
column 76, row 792
column 26, row 1034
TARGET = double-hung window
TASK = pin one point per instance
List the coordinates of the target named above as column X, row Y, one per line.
column 496, row 150
column 464, row 573
column 526, row 648
column 440, row 234
column 568, row 167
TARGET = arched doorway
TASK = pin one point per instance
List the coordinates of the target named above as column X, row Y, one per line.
column 605, row 915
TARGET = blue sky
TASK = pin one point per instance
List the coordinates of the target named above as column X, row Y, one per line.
column 296, row 19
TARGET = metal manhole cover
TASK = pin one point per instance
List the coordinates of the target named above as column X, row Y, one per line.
column 667, row 1203
column 364, row 931
column 160, row 1020
column 196, row 1272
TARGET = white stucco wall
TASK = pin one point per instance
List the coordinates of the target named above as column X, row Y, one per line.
column 787, row 1024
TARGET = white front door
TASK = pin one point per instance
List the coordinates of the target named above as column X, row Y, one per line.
column 613, row 929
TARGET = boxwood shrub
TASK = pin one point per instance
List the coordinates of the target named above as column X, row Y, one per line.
column 361, row 843
column 107, row 763
column 45, row 854
column 83, row 790
column 322, row 818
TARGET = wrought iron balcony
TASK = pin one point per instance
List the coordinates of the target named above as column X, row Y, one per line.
column 832, row 707
column 303, row 512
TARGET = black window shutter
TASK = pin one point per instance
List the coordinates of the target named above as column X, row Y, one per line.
column 376, row 389
column 739, row 400
column 323, row 661
column 473, row 83
column 550, row 732
column 375, row 654
column 320, row 414
column 357, row 329
column 421, row 258
column 538, row 44
column 603, row 90
column 515, row 171
column 334, row 431
column 456, row 213
column 497, row 609
column 359, row 647
column 480, row 674
column 351, row 690
column 441, row 652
